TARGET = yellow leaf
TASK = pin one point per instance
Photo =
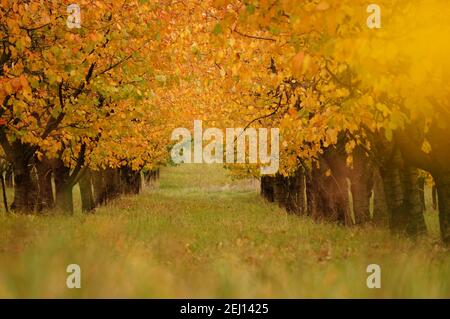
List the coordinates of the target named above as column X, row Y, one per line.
column 426, row 147
column 301, row 63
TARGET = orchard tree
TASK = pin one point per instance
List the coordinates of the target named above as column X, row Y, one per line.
column 61, row 84
column 343, row 80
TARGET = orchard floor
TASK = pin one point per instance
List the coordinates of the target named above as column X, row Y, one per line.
column 200, row 234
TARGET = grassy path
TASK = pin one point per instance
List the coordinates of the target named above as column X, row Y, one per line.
column 200, row 234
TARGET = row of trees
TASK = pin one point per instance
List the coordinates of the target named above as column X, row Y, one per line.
column 89, row 105
column 334, row 192
column 51, row 186
column 360, row 110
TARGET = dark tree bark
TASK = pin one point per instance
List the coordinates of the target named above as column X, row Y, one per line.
column 392, row 185
column 130, row 180
column 361, row 184
column 288, row 192
column 45, row 189
column 440, row 146
column 137, row 182
column 327, row 196
column 296, row 200
column 148, row 177
column 421, row 185
column 9, row 177
column 413, row 201
column 64, row 197
column 434, row 197
column 401, row 186
column 311, row 193
column 107, row 185
column 380, row 208
column 99, row 185
column 267, row 187
column 112, row 183
column 436, row 162
column 281, row 190
column 25, row 190
column 5, row 200
column 66, row 179
column 334, row 187
column 442, row 181
column 87, row 196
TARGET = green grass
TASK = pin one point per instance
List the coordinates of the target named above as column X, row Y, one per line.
column 200, row 234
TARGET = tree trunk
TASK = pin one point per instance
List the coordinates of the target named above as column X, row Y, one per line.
column 401, row 187
column 413, row 201
column 112, row 183
column 99, row 185
column 421, row 185
column 137, row 182
column 296, row 201
column 380, row 209
column 9, row 177
column 45, row 189
column 280, row 190
column 442, row 180
column 5, row 200
column 334, row 185
column 361, row 194
column 327, row 196
column 311, row 194
column 361, row 179
column 87, row 196
column 131, row 180
column 392, row 185
column 267, row 187
column 434, row 197
column 64, row 198
column 24, row 187
column 148, row 177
